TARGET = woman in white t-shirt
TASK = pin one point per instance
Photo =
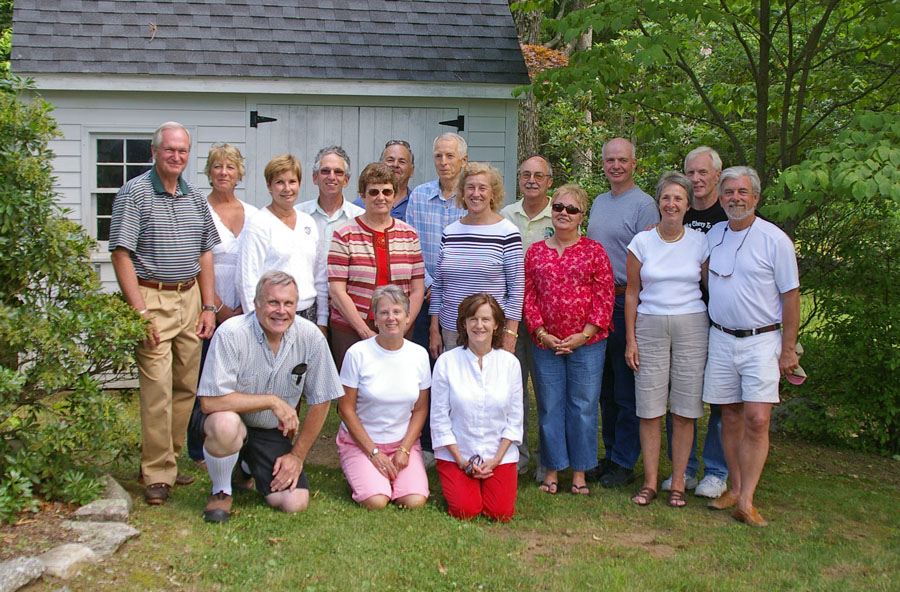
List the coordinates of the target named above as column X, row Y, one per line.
column 666, row 332
column 386, row 381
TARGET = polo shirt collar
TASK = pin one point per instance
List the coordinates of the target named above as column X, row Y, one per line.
column 158, row 184
column 519, row 208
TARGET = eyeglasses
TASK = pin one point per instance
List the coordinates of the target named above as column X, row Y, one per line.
column 571, row 210
column 474, row 461
column 374, row 191
column 403, row 143
column 337, row 172
column 734, row 262
column 298, row 371
column 525, row 175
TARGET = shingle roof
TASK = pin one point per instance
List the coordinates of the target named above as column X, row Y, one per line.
column 409, row 40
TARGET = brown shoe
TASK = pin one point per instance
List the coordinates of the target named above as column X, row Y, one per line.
column 179, row 479
column 156, row 494
column 750, row 518
column 727, row 500
column 218, row 508
column 241, row 481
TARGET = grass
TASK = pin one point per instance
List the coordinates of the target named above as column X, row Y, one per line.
column 834, row 514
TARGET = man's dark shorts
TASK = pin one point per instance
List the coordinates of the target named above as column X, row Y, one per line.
column 261, row 449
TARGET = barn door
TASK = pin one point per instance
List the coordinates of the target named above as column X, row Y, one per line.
column 362, row 131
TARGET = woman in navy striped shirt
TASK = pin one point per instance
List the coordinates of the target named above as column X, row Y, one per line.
column 481, row 252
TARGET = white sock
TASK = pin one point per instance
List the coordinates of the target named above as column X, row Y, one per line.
column 220, row 469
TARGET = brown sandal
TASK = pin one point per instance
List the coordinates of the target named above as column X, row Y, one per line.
column 676, row 499
column 644, row 496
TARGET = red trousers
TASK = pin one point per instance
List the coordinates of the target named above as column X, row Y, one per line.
column 495, row 497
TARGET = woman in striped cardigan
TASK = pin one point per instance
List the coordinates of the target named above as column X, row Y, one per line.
column 372, row 250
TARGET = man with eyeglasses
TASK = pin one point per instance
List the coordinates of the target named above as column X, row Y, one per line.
column 703, row 166
column 398, row 155
column 258, row 366
column 616, row 216
column 431, row 208
column 754, row 311
column 331, row 173
column 532, row 216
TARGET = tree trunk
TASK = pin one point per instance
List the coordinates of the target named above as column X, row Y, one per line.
column 583, row 162
column 528, row 27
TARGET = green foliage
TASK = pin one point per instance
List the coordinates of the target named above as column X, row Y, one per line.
column 847, row 194
column 59, row 334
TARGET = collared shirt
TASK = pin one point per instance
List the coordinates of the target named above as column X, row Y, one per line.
column 398, row 210
column 429, row 213
column 165, row 234
column 240, row 360
column 328, row 224
column 475, row 407
column 533, row 229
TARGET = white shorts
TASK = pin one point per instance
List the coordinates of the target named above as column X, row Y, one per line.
column 742, row 369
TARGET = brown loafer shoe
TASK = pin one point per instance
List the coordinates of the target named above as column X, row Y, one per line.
column 750, row 518
column 156, row 494
column 727, row 500
column 179, row 479
column 218, row 508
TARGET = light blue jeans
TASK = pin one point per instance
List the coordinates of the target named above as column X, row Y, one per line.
column 568, row 394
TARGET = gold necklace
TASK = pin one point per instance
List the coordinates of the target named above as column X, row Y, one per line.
column 670, row 240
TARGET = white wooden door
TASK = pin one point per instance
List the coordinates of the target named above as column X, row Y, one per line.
column 302, row 130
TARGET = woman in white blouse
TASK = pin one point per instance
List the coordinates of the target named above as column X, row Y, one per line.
column 476, row 415
column 386, row 381
column 224, row 169
column 666, row 332
column 282, row 238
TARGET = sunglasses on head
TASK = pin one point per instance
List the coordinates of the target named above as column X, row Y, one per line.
column 373, row 192
column 571, row 210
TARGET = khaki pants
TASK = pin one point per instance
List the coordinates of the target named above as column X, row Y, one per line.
column 168, row 379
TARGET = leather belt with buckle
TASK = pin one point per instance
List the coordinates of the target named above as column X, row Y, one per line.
column 177, row 287
column 747, row 332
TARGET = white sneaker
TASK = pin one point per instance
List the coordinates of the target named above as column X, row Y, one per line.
column 689, row 483
column 428, row 457
column 711, row 486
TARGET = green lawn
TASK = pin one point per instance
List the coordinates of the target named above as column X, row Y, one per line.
column 835, row 525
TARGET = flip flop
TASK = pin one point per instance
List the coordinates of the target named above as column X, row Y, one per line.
column 644, row 496
column 580, row 490
column 549, row 487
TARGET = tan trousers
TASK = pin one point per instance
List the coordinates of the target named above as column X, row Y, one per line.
column 168, row 379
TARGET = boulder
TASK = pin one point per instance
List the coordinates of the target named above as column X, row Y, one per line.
column 103, row 510
column 18, row 572
column 104, row 538
column 67, row 561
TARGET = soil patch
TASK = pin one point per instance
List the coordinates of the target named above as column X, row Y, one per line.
column 36, row 532
column 324, row 452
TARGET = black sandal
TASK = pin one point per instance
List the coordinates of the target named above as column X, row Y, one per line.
column 644, row 496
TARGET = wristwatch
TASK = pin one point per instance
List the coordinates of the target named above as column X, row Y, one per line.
column 208, row 307
column 374, row 452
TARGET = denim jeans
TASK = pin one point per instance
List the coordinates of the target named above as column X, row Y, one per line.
column 713, row 455
column 621, row 426
column 569, row 390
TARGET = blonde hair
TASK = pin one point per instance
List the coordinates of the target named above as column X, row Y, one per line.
column 222, row 153
column 281, row 164
column 494, row 178
column 572, row 190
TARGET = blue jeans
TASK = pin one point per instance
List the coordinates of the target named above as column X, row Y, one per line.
column 713, row 455
column 621, row 426
column 568, row 393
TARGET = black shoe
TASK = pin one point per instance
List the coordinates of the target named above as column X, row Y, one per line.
column 241, row 482
column 617, row 476
column 595, row 474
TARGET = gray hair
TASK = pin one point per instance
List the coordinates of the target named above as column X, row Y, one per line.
column 736, row 172
column 157, row 135
column 675, row 178
column 547, row 162
column 405, row 144
column 461, row 147
column 332, row 150
column 274, row 278
column 630, row 143
column 392, row 292
column 713, row 155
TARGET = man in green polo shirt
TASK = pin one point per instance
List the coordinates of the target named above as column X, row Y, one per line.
column 161, row 239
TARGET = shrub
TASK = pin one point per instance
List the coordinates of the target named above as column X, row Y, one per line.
column 60, row 335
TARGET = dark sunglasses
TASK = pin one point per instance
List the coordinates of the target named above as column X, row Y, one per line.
column 373, row 192
column 298, row 371
column 337, row 172
column 571, row 210
column 403, row 143
column 474, row 461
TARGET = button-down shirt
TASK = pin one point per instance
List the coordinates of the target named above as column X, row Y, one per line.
column 429, row 213
column 240, row 360
column 474, row 407
column 532, row 229
column 327, row 224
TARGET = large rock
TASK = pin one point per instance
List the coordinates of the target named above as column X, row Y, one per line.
column 104, row 538
column 103, row 510
column 66, row 561
column 18, row 572
column 115, row 491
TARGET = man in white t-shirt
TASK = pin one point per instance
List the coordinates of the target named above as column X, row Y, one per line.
column 754, row 310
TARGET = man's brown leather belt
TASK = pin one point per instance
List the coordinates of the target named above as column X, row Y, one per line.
column 177, row 287
column 747, row 332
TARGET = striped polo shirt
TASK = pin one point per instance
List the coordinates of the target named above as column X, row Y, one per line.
column 474, row 259
column 164, row 233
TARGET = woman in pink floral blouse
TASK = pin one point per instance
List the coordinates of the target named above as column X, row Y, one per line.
column 569, row 293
